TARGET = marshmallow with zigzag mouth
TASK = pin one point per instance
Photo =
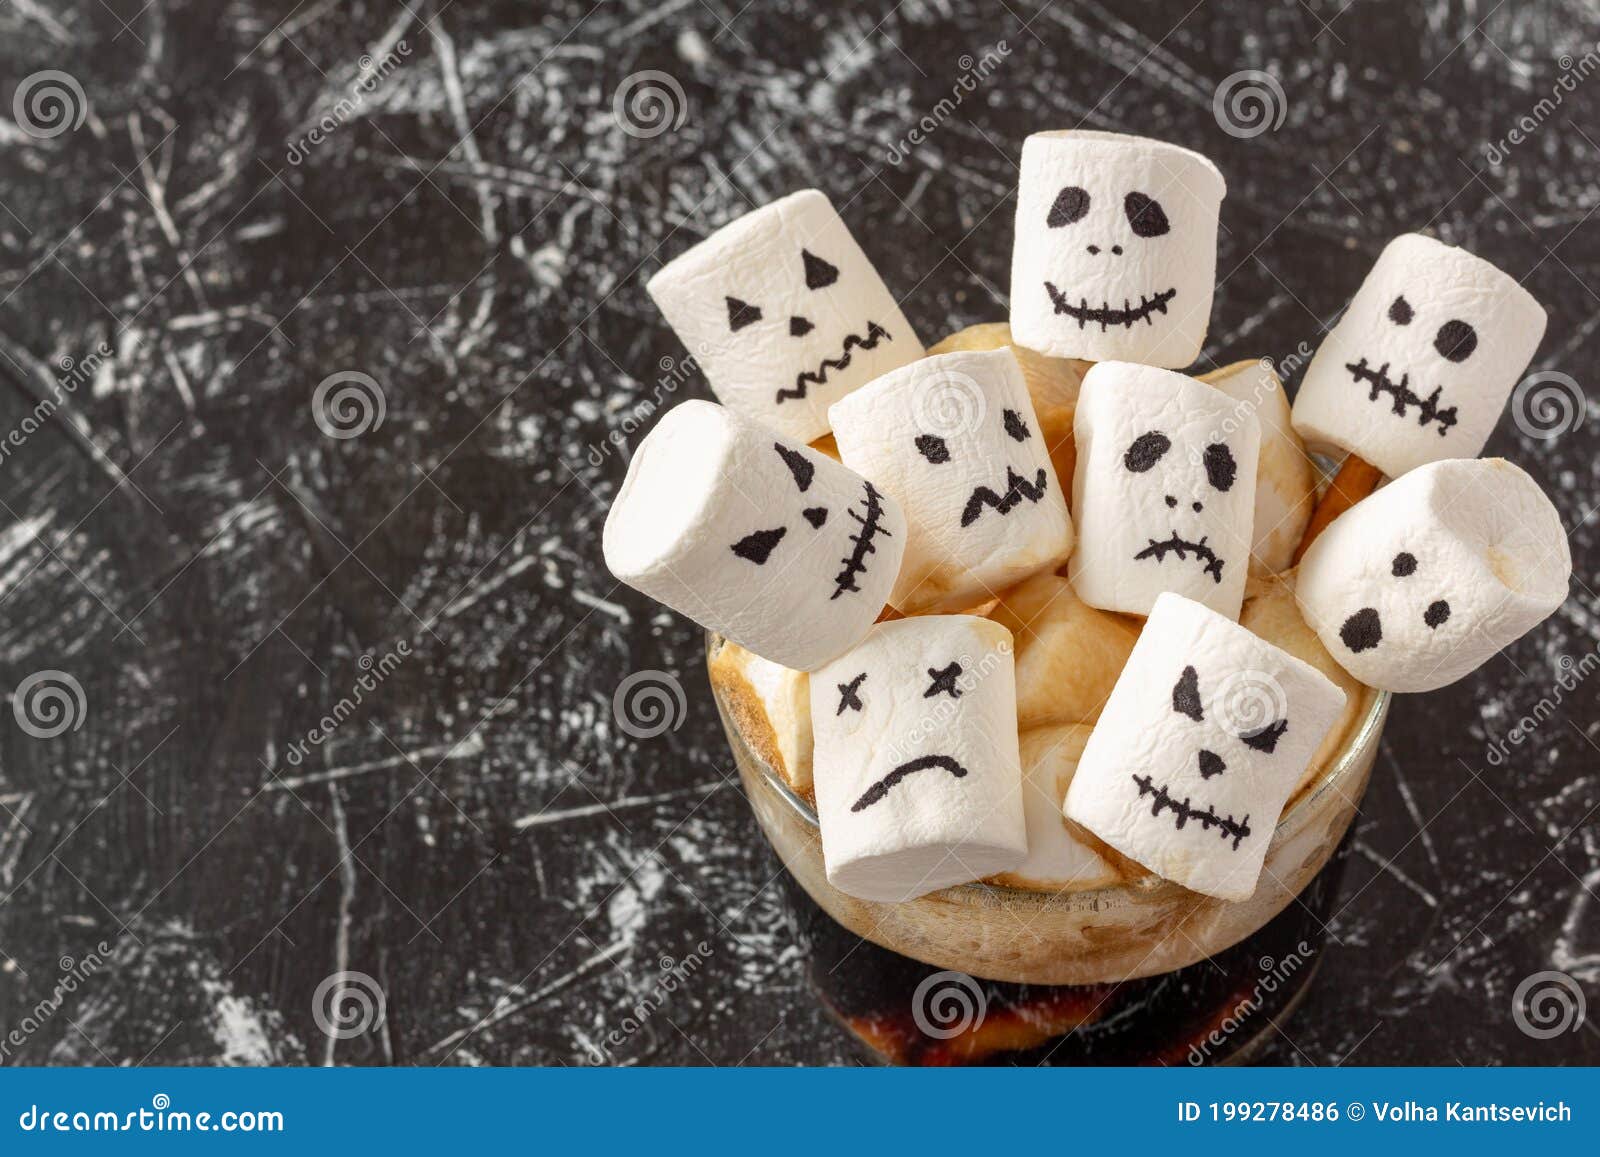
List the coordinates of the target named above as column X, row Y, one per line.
column 1116, row 248
column 954, row 439
column 1163, row 493
column 1199, row 747
column 755, row 535
column 784, row 313
column 1420, row 365
column 916, row 767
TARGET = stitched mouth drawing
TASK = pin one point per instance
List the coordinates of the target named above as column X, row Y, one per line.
column 1017, row 489
column 805, row 379
column 1183, row 548
column 1107, row 314
column 1183, row 812
column 880, row 789
column 855, row 564
column 1428, row 409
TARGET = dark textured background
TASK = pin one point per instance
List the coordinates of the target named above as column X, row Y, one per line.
column 185, row 543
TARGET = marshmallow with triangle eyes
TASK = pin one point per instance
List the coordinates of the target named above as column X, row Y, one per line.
column 1163, row 494
column 1421, row 363
column 916, row 766
column 785, row 314
column 755, row 535
column 954, row 439
column 1115, row 255
column 1422, row 582
column 1199, row 747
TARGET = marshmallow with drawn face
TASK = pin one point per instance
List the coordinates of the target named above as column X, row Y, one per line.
column 785, row 314
column 1422, row 582
column 1199, row 747
column 1116, row 248
column 755, row 535
column 1164, row 490
column 955, row 441
column 1421, row 363
column 916, row 768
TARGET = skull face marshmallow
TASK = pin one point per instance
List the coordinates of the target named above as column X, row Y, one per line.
column 784, row 314
column 1421, row 363
column 1116, row 248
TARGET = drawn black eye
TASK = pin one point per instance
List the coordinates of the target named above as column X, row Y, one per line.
column 1400, row 311
column 1266, row 738
column 1070, row 205
column 850, row 694
column 1437, row 614
column 1186, row 695
column 1455, row 341
column 819, row 273
column 932, row 447
column 1016, row 427
column 741, row 314
column 801, row 467
column 1145, row 215
column 1146, row 451
column 1221, row 469
column 1405, row 563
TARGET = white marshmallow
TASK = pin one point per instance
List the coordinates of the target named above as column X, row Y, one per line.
column 1203, row 739
column 1116, row 248
column 916, row 768
column 1421, row 363
column 1422, row 582
column 776, row 546
column 954, row 440
column 784, row 313
column 1163, row 490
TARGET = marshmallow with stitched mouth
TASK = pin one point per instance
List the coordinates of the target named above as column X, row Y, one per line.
column 1199, row 747
column 784, row 314
column 1163, row 493
column 1420, row 365
column 1116, row 248
column 755, row 535
column 916, row 768
column 955, row 441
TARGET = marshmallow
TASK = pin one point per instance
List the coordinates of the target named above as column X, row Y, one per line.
column 916, row 769
column 1059, row 859
column 778, row 547
column 1116, row 248
column 1421, row 363
column 1198, row 749
column 954, row 440
column 1421, row 583
column 1163, row 492
column 771, row 708
column 784, row 313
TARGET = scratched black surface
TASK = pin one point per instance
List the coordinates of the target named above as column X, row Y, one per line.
column 185, row 542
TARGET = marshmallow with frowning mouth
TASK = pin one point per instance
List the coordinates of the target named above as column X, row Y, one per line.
column 1116, row 248
column 954, row 439
column 1203, row 739
column 1422, row 582
column 755, row 535
column 1163, row 492
column 1421, row 363
column 784, row 313
column 916, row 767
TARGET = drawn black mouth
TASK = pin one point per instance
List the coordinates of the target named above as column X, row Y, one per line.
column 1428, row 409
column 1017, row 489
column 1107, row 314
column 880, row 789
column 855, row 564
column 805, row 379
column 1183, row 548
column 1182, row 812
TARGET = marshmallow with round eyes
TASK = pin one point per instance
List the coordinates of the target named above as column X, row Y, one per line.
column 785, row 314
column 1421, row 363
column 755, row 535
column 1199, row 747
column 1116, row 248
column 1422, row 582
column 916, row 767
column 1164, row 490
column 954, row 440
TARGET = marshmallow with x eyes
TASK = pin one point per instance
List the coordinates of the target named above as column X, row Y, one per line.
column 1199, row 747
column 1421, row 363
column 785, row 314
column 755, row 535
column 916, row 767
column 1422, row 582
column 1163, row 495
column 954, row 440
